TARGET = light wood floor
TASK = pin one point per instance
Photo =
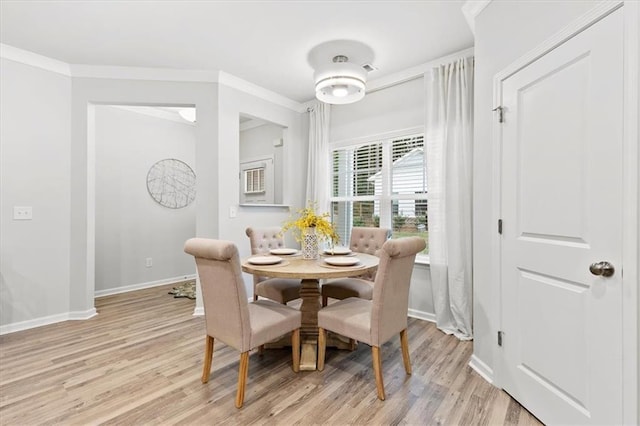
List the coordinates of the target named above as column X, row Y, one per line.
column 139, row 362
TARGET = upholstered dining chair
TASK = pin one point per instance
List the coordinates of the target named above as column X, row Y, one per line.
column 375, row 321
column 281, row 290
column 229, row 317
column 363, row 240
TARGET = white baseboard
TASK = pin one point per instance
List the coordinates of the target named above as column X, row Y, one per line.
column 51, row 319
column 83, row 315
column 481, row 368
column 425, row 316
column 198, row 311
column 140, row 286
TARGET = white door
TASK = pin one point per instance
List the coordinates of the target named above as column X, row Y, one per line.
column 562, row 210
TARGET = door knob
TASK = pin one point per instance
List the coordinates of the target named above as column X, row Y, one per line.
column 603, row 268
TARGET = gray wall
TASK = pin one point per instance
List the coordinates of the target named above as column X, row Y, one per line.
column 391, row 109
column 505, row 31
column 130, row 225
column 35, row 117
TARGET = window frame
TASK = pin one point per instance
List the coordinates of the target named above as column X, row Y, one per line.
column 386, row 198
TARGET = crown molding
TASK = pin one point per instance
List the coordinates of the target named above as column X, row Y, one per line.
column 33, row 59
column 471, row 9
column 415, row 72
column 258, row 91
column 149, row 74
column 142, row 73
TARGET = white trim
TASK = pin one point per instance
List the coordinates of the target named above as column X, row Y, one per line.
column 471, row 9
column 414, row 72
column 481, row 368
column 630, row 192
column 29, row 58
column 198, row 311
column 82, row 315
column 631, row 217
column 259, row 92
column 51, row 319
column 143, row 73
column 376, row 137
column 421, row 315
column 140, row 286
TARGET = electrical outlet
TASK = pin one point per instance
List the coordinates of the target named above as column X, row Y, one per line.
column 149, row 262
column 22, row 213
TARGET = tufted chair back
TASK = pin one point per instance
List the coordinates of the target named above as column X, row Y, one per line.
column 368, row 240
column 264, row 239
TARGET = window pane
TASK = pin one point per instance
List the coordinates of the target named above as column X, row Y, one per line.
column 405, row 226
column 347, row 214
column 400, row 183
column 409, row 169
column 356, row 170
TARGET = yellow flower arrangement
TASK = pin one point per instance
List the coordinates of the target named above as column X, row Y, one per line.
column 307, row 218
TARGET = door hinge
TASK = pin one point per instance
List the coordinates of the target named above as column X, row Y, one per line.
column 499, row 338
column 500, row 110
column 500, row 226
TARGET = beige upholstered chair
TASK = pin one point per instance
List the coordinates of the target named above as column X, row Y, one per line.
column 228, row 315
column 363, row 240
column 375, row 321
column 281, row 290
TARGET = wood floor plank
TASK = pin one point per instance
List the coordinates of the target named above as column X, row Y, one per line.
column 139, row 361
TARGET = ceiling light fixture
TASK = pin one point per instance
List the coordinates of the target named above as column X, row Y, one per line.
column 341, row 82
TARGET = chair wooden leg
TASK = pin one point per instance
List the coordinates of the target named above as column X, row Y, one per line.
column 322, row 346
column 325, row 300
column 377, row 369
column 404, row 342
column 352, row 345
column 295, row 349
column 242, row 378
column 208, row 356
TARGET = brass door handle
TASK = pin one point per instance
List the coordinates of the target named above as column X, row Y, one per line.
column 603, row 268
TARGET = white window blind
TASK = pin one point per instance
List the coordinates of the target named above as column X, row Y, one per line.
column 254, row 180
column 380, row 183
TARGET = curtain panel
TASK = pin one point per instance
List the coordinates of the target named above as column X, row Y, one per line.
column 318, row 177
column 449, row 149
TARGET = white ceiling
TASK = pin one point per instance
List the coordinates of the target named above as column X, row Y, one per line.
column 264, row 42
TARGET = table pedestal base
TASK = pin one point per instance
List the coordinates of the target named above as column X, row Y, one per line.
column 310, row 295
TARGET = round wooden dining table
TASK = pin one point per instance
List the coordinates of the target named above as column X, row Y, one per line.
column 310, row 272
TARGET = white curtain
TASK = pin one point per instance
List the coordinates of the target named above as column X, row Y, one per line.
column 318, row 160
column 449, row 139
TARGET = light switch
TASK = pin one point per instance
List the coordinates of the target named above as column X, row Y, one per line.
column 233, row 211
column 22, row 213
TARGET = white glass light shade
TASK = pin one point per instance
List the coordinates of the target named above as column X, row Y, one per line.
column 340, row 83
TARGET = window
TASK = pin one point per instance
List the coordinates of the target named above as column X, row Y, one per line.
column 381, row 183
column 254, row 181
